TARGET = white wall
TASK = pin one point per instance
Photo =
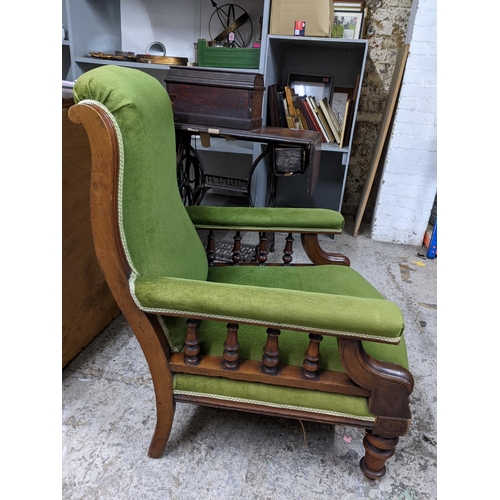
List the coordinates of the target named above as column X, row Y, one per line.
column 409, row 179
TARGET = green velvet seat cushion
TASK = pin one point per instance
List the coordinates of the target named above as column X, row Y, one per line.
column 321, row 299
column 268, row 218
column 275, row 396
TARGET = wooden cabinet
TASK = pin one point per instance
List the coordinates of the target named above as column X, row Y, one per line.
column 131, row 25
column 87, row 304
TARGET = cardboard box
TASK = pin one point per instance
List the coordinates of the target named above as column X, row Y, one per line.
column 318, row 15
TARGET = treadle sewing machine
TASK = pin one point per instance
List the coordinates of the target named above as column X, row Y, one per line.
column 228, row 104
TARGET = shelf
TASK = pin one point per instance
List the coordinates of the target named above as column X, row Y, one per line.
column 118, row 25
column 318, row 41
column 242, row 70
column 129, row 64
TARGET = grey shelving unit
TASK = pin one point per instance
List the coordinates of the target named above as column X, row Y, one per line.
column 112, row 25
column 344, row 61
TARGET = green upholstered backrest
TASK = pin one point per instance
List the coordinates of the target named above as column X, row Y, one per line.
column 156, row 231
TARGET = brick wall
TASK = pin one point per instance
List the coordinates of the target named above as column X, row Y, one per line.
column 408, row 180
column 408, row 185
column 386, row 32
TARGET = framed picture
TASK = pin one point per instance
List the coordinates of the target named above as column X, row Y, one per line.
column 347, row 24
column 319, row 86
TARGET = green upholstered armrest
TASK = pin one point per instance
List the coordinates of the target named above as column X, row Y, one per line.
column 290, row 220
column 341, row 315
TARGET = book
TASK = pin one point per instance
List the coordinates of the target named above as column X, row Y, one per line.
column 305, row 113
column 322, row 120
column 310, row 102
column 343, row 134
column 281, row 109
column 289, row 101
column 339, row 99
column 314, row 118
column 273, row 105
column 331, row 119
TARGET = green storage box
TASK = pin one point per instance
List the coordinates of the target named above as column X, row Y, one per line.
column 227, row 57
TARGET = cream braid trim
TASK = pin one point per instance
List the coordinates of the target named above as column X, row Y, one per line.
column 121, row 164
column 234, row 319
column 274, row 405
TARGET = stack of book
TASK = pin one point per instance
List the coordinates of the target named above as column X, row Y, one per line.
column 349, row 19
column 287, row 109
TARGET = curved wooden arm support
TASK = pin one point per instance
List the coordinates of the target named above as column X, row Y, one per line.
column 105, row 231
column 317, row 255
column 390, row 386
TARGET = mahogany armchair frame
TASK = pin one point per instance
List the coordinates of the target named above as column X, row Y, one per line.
column 387, row 386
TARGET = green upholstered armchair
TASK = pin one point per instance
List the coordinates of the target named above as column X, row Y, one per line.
column 314, row 342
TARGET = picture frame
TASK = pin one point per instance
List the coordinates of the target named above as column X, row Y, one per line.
column 319, row 86
column 347, row 24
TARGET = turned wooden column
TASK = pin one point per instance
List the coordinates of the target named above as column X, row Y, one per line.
column 191, row 343
column 271, row 352
column 312, row 356
column 210, row 250
column 288, row 251
column 231, row 347
column 263, row 249
column 237, row 249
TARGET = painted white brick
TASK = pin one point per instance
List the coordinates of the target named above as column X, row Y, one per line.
column 409, row 154
column 430, row 18
column 428, row 6
column 409, row 104
column 418, row 77
column 422, row 48
column 416, row 117
column 412, row 130
column 424, row 33
column 427, row 105
column 423, row 63
column 418, row 91
column 409, row 177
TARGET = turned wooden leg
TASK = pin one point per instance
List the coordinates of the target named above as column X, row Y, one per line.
column 378, row 451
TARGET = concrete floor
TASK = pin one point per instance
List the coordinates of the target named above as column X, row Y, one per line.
column 108, row 417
